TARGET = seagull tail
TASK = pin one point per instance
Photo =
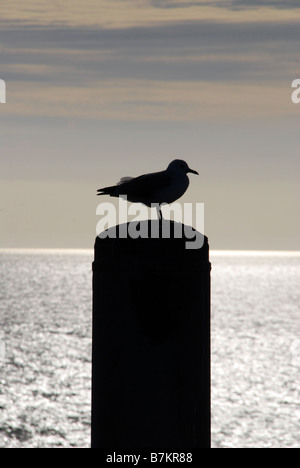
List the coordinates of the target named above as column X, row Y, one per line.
column 106, row 190
column 113, row 190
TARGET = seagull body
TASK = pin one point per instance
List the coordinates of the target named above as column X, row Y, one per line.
column 154, row 188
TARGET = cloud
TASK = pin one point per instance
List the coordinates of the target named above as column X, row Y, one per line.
column 185, row 51
column 193, row 33
column 277, row 4
column 181, row 70
column 114, row 14
column 227, row 4
column 142, row 100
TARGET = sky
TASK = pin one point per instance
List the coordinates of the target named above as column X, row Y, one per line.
column 100, row 89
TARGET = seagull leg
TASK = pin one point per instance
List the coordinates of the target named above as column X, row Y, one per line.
column 159, row 213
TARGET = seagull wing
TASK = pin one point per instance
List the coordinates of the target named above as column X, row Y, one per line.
column 124, row 179
column 143, row 188
column 140, row 189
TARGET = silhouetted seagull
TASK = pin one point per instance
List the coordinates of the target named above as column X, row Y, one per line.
column 154, row 188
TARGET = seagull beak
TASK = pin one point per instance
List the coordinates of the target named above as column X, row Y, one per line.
column 193, row 172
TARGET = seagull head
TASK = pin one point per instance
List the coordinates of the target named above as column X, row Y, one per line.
column 180, row 166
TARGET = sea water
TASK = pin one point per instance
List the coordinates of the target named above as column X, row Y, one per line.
column 45, row 348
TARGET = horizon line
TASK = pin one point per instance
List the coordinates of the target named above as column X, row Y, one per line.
column 85, row 251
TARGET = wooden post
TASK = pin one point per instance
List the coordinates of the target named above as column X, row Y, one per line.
column 151, row 343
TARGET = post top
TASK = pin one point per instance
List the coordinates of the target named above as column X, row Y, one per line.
column 155, row 242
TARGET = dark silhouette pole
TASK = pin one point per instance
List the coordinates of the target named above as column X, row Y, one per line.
column 151, row 343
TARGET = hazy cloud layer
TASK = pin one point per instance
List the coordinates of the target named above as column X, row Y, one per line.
column 187, row 70
column 191, row 51
column 193, row 33
column 124, row 13
column 228, row 4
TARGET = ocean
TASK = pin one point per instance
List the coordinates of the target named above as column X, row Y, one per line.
column 45, row 348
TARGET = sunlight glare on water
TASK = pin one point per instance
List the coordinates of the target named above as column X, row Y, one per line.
column 45, row 348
